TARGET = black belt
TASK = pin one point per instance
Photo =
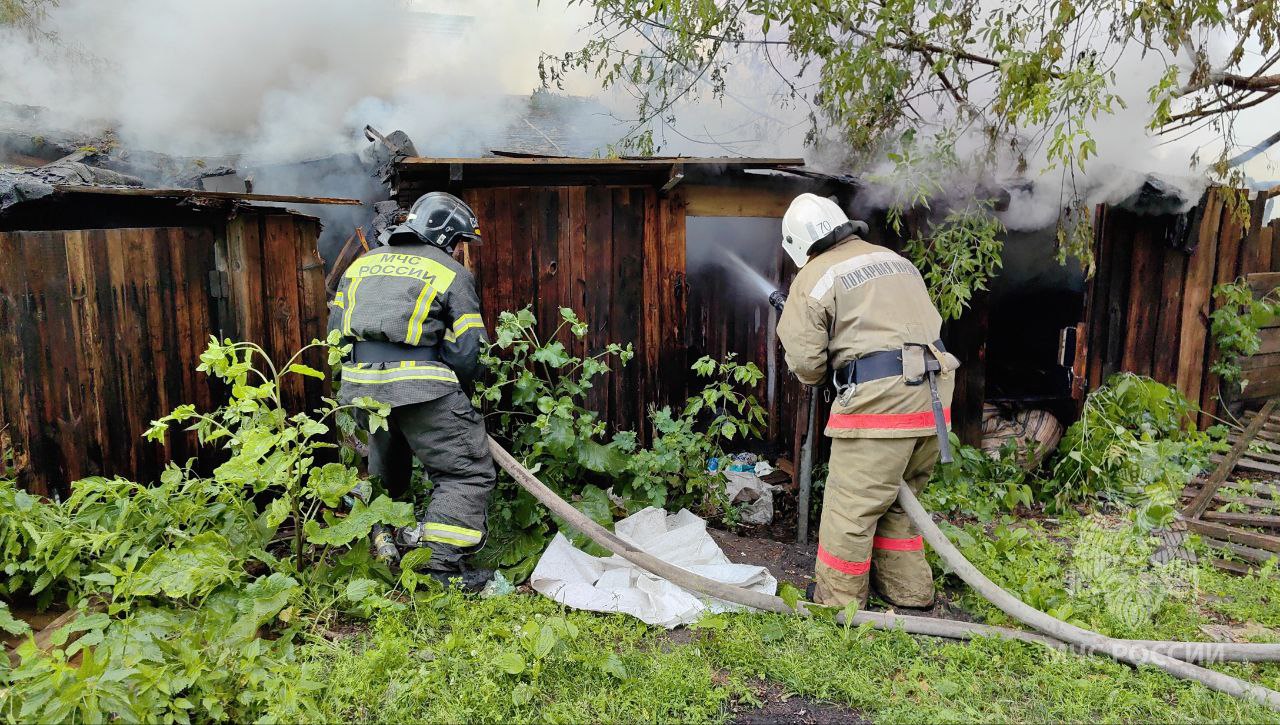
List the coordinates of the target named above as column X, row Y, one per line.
column 888, row 363
column 376, row 351
column 877, row 365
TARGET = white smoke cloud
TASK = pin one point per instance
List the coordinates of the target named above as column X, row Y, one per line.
column 285, row 79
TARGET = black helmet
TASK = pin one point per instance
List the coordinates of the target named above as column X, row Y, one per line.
column 437, row 218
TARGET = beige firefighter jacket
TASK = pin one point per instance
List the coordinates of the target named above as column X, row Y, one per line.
column 411, row 294
column 852, row 300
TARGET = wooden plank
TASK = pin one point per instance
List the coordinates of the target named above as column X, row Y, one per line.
column 1265, row 248
column 1263, row 283
column 86, row 331
column 1197, row 505
column 136, row 395
column 574, row 278
column 191, row 258
column 1230, row 241
column 736, row 201
column 245, row 270
column 1275, row 244
column 546, row 258
column 505, row 231
column 1255, row 454
column 673, row 310
column 148, row 256
column 1267, row 521
column 16, row 422
column 313, row 310
column 1248, row 553
column 1260, row 361
column 284, row 329
column 565, row 262
column 1220, row 498
column 1195, row 300
column 1232, row 567
column 1235, row 535
column 625, row 316
column 1118, row 294
column 1095, row 304
column 1169, row 321
column 48, row 351
column 1252, row 464
column 1261, row 387
column 478, row 258
column 523, row 245
column 113, row 392
column 554, row 162
column 1145, row 278
column 651, row 298
column 599, row 291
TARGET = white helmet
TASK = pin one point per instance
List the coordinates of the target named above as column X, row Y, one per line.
column 812, row 224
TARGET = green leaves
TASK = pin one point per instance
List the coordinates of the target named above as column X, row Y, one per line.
column 511, row 663
column 359, row 522
column 958, row 256
column 600, row 458
column 1135, row 445
column 191, row 569
column 331, row 482
column 308, row 371
column 1236, row 322
column 10, row 624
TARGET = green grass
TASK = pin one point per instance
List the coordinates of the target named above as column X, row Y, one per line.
column 444, row 662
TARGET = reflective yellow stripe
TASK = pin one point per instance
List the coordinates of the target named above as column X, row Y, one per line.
column 410, row 266
column 448, row 540
column 337, row 300
column 466, row 322
column 359, row 381
column 351, row 297
column 462, row 325
column 450, row 528
column 406, row 371
column 450, row 534
column 420, row 309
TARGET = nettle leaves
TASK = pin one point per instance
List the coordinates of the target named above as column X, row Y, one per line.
column 274, row 450
column 358, row 522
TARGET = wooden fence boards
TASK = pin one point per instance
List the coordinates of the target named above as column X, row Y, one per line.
column 1148, row 307
column 613, row 254
column 103, row 328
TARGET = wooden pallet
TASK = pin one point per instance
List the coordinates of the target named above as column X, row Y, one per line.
column 1254, row 451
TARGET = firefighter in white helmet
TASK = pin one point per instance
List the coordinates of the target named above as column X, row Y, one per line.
column 859, row 317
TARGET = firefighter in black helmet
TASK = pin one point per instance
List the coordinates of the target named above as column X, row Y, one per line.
column 411, row 313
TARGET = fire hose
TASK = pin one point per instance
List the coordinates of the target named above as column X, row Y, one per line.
column 1174, row 658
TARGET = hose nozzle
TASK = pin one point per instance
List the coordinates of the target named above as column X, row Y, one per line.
column 777, row 298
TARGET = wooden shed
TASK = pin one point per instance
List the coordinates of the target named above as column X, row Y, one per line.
column 641, row 248
column 107, row 301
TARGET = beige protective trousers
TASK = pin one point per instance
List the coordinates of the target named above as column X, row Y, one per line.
column 865, row 536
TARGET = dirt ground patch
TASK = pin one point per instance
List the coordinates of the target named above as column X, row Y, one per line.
column 780, row 706
column 788, row 562
column 793, row 563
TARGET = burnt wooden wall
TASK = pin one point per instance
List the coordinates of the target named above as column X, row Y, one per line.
column 1148, row 305
column 613, row 254
column 101, row 331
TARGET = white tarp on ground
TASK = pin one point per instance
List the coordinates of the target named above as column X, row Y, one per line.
column 613, row 584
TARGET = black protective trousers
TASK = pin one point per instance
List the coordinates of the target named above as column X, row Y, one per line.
column 448, row 436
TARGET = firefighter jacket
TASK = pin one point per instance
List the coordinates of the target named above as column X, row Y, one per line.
column 416, row 295
column 853, row 300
